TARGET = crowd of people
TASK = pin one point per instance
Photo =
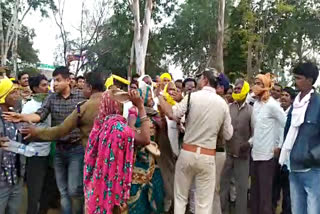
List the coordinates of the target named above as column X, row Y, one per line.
column 199, row 145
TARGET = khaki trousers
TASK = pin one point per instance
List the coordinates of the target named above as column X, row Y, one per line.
column 200, row 168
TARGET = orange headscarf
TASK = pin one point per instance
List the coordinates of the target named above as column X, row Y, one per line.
column 263, row 93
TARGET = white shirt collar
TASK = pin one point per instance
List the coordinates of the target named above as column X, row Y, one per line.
column 208, row 88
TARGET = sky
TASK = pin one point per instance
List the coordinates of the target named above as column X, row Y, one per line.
column 47, row 32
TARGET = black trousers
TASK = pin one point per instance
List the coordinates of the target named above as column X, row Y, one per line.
column 281, row 183
column 36, row 170
column 261, row 186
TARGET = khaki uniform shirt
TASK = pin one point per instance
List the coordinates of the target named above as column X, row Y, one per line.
column 84, row 121
column 208, row 113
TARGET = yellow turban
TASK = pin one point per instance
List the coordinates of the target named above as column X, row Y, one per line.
column 110, row 82
column 243, row 94
column 165, row 75
column 169, row 99
column 6, row 86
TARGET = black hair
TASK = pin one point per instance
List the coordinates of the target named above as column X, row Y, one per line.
column 134, row 82
column 80, row 78
column 278, row 84
column 211, row 78
column 308, row 70
column 291, row 92
column 189, row 79
column 178, row 81
column 63, row 71
column 20, row 74
column 15, row 81
column 96, row 80
column 36, row 80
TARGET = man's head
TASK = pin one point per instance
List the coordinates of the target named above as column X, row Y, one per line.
column 158, row 80
column 229, row 95
column 94, row 82
column 189, row 85
column 222, row 84
column 80, row 82
column 147, row 79
column 207, row 78
column 241, row 90
column 276, row 91
column 179, row 84
column 305, row 75
column 165, row 78
column 135, row 77
column 262, row 86
column 73, row 82
column 287, row 97
column 23, row 79
column 39, row 84
column 134, row 85
column 61, row 77
column 9, row 94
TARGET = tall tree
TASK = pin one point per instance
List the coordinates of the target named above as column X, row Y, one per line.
column 220, row 36
column 10, row 30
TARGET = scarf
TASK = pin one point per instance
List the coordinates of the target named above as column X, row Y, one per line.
column 168, row 97
column 40, row 97
column 6, row 86
column 243, row 94
column 108, row 159
column 263, row 93
column 298, row 115
column 165, row 76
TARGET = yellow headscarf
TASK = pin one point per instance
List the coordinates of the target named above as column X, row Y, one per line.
column 6, row 86
column 109, row 81
column 243, row 94
column 168, row 97
column 165, row 75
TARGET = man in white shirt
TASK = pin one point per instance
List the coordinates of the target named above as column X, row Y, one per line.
column 206, row 112
column 268, row 121
column 37, row 165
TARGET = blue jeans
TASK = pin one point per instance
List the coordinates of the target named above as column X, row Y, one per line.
column 69, row 174
column 11, row 198
column 305, row 192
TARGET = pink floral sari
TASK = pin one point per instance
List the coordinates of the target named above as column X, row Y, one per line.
column 108, row 160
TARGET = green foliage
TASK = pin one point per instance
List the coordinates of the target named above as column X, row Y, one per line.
column 192, row 35
column 31, row 71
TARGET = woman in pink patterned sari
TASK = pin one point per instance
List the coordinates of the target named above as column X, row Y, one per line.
column 109, row 156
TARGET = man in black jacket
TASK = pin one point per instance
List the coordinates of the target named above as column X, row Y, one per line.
column 301, row 148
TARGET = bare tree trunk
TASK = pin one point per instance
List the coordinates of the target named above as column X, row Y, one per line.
column 2, row 41
column 131, row 61
column 15, row 42
column 299, row 48
column 141, row 33
column 220, row 36
column 249, row 61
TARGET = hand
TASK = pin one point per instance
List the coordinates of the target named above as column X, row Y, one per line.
column 29, row 131
column 177, row 96
column 4, row 142
column 135, row 98
column 157, row 90
column 12, row 117
column 276, row 152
